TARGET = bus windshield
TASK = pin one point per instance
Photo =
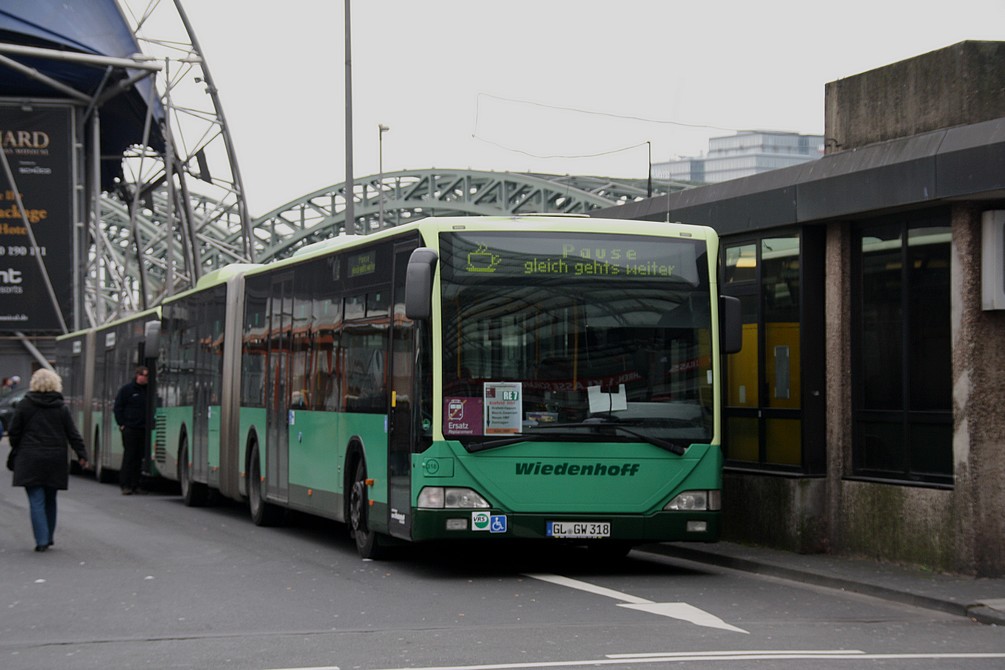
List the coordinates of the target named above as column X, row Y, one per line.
column 575, row 336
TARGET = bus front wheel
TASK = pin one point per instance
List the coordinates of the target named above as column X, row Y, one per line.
column 368, row 544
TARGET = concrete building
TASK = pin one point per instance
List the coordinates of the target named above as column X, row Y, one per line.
column 744, row 154
column 866, row 411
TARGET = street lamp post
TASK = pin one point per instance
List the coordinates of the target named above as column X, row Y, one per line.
column 381, row 129
column 649, row 182
column 350, row 186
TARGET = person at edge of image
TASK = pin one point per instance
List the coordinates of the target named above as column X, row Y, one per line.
column 39, row 432
column 9, row 384
column 131, row 415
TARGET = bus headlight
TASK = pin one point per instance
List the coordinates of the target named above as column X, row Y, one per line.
column 442, row 497
column 696, row 501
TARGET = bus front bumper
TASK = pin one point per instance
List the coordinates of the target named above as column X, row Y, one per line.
column 493, row 525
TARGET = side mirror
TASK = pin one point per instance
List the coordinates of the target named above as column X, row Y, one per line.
column 419, row 283
column 732, row 324
column 152, row 338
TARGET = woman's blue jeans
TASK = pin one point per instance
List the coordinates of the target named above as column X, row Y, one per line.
column 42, row 504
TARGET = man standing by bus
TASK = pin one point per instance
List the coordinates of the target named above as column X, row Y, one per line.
column 131, row 415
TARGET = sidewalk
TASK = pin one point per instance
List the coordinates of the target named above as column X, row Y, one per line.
column 980, row 599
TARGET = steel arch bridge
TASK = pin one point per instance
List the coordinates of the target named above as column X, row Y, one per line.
column 395, row 198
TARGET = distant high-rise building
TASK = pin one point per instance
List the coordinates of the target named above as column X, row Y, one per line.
column 746, row 153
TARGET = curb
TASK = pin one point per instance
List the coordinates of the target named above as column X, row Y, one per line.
column 986, row 615
column 978, row 612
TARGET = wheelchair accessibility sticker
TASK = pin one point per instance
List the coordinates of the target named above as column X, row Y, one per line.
column 494, row 523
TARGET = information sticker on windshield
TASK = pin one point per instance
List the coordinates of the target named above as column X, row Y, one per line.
column 462, row 416
column 502, row 408
column 579, row 529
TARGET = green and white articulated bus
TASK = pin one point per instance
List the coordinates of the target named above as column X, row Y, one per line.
column 527, row 378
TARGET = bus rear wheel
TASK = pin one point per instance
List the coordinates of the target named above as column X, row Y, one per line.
column 368, row 544
column 262, row 513
column 193, row 493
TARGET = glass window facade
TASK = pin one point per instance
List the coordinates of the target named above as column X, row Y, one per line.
column 902, row 351
column 764, row 423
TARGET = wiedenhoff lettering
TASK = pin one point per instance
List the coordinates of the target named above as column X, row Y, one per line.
column 576, row 470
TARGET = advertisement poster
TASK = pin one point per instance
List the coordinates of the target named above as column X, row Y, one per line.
column 37, row 141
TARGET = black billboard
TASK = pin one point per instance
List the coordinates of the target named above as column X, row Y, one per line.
column 37, row 141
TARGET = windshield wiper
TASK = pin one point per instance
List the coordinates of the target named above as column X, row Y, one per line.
column 672, row 447
column 500, row 442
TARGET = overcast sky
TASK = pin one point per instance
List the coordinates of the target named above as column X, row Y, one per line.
column 536, row 85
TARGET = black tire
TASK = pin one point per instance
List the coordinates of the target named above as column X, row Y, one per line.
column 101, row 473
column 193, row 494
column 262, row 513
column 368, row 543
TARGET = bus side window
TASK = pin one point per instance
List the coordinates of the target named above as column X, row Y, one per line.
column 365, row 338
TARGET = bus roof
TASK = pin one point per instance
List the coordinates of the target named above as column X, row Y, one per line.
column 561, row 222
column 328, row 244
column 221, row 275
column 145, row 314
column 431, row 226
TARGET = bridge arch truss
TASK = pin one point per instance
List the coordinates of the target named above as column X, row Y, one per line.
column 396, row 198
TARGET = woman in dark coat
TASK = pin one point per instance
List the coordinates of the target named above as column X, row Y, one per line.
column 39, row 432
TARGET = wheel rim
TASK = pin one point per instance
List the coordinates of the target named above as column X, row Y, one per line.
column 184, row 476
column 254, row 486
column 357, row 507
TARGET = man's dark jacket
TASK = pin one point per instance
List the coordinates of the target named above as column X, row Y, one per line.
column 131, row 406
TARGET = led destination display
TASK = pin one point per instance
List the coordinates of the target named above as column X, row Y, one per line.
column 485, row 255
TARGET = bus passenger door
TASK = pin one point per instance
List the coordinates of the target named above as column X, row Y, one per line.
column 402, row 403
column 277, row 458
column 200, row 396
column 107, row 430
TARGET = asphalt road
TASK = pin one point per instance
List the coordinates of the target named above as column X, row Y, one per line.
column 144, row 582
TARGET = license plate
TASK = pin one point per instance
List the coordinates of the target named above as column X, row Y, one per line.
column 579, row 529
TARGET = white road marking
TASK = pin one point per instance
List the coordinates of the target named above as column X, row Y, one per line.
column 853, row 655
column 815, row 653
column 685, row 612
column 589, row 588
column 681, row 611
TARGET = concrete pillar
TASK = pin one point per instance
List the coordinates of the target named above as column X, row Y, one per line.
column 978, row 408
